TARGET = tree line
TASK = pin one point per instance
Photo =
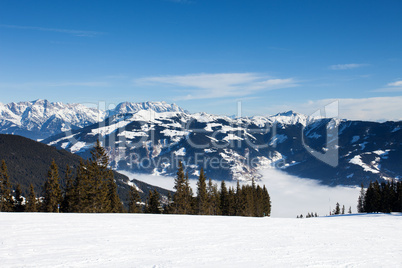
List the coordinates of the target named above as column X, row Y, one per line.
column 93, row 190
column 383, row 197
column 246, row 200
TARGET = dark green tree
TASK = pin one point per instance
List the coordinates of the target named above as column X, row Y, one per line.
column 68, row 195
column 32, row 203
column 360, row 201
column 202, row 195
column 153, row 202
column 52, row 196
column 134, row 201
column 224, row 199
column 18, row 199
column 266, row 202
column 337, row 209
column 182, row 198
column 6, row 198
column 213, row 198
column 116, row 205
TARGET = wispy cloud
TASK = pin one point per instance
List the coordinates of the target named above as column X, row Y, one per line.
column 347, row 66
column 391, row 87
column 205, row 86
column 395, row 84
column 80, row 33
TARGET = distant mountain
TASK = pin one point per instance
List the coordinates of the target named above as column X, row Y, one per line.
column 41, row 119
column 333, row 151
column 28, row 162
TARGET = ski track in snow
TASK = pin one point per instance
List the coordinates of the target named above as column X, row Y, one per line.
column 141, row 240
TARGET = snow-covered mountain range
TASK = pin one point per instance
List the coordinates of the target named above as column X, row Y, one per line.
column 151, row 137
column 236, row 148
column 41, row 119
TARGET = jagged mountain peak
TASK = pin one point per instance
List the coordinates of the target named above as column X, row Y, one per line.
column 133, row 107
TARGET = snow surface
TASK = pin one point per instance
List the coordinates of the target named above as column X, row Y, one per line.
column 141, row 240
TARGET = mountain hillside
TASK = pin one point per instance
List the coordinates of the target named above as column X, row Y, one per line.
column 29, row 161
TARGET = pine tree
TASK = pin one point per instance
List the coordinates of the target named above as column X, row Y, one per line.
column 116, row 205
column 31, row 205
column 361, row 201
column 68, row 195
column 224, row 199
column 80, row 199
column 337, row 209
column 153, row 203
column 134, row 200
column 202, row 196
column 52, row 192
column 100, row 177
column 343, row 209
column 266, row 202
column 6, row 199
column 350, row 210
column 213, row 198
column 182, row 198
column 18, row 199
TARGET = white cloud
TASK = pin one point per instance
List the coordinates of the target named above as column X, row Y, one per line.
column 291, row 195
column 391, row 87
column 366, row 109
column 203, row 86
column 347, row 66
column 395, row 84
column 80, row 33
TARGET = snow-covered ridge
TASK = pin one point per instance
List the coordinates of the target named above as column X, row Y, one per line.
column 40, row 119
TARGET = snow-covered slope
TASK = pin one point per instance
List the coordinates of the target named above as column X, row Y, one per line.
column 41, row 119
column 146, row 240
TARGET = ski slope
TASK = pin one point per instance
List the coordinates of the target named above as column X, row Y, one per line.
column 138, row 240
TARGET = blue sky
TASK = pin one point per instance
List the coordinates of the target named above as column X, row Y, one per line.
column 206, row 55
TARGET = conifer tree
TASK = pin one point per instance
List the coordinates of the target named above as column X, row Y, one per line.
column 213, row 198
column 350, row 210
column 116, row 205
column 18, row 200
column 52, row 192
column 68, row 195
column 31, row 205
column 231, row 202
column 266, row 202
column 343, row 209
column 182, row 198
column 153, row 203
column 239, row 202
column 134, row 200
column 6, row 199
column 337, row 209
column 224, row 202
column 100, row 177
column 360, row 201
column 80, row 199
column 202, row 196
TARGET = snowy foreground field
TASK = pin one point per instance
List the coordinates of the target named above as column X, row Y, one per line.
column 138, row 240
